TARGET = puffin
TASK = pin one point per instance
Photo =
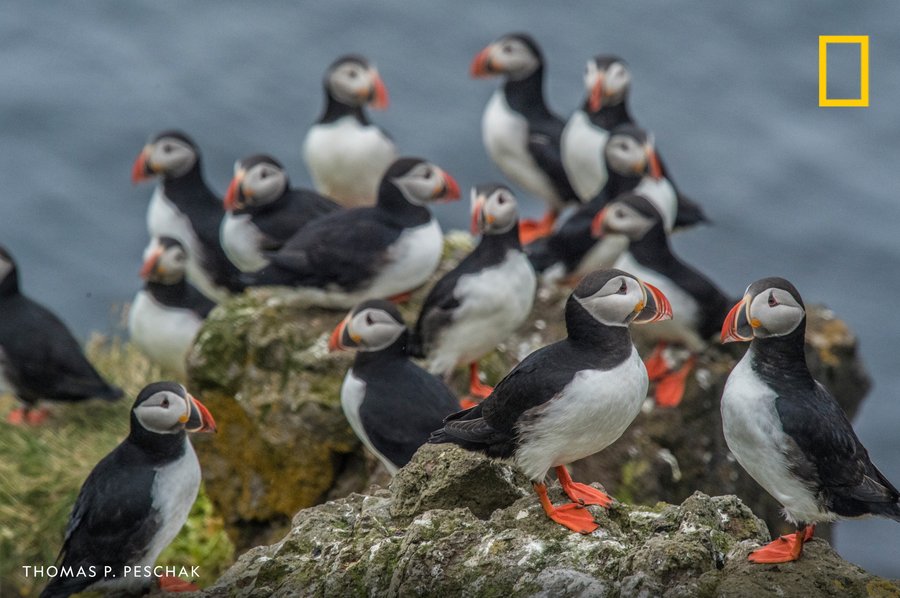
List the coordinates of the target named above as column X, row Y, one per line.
column 185, row 208
column 787, row 431
column 484, row 299
column 570, row 399
column 39, row 357
column 262, row 211
column 167, row 313
column 134, row 502
column 632, row 165
column 379, row 252
column 699, row 306
column 520, row 133
column 607, row 81
column 392, row 404
column 345, row 153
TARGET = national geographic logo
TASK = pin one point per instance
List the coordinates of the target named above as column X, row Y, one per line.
column 863, row 100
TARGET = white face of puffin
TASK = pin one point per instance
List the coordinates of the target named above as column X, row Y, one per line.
column 616, row 81
column 626, row 155
column 494, row 213
column 370, row 329
column 426, row 182
column 623, row 300
column 263, row 184
column 169, row 412
column 170, row 156
column 619, row 217
column 164, row 263
column 772, row 312
column 509, row 56
column 356, row 84
column 606, row 86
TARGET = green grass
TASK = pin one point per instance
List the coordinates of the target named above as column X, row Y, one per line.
column 42, row 469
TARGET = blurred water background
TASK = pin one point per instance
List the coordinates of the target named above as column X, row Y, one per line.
column 729, row 88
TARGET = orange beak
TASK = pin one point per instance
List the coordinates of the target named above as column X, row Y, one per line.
column 481, row 65
column 477, row 207
column 380, row 98
column 234, row 189
column 140, row 170
column 334, row 341
column 656, row 306
column 595, row 102
column 597, row 223
column 653, row 163
column 150, row 262
column 199, row 419
column 737, row 326
column 448, row 189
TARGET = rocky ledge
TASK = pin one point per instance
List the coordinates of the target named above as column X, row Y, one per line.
column 457, row 524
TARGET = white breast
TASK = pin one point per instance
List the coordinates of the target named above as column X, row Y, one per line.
column 505, row 135
column 164, row 334
column 241, row 239
column 174, row 492
column 588, row 415
column 757, row 440
column 493, row 304
column 353, row 392
column 662, row 195
column 582, row 146
column 347, row 159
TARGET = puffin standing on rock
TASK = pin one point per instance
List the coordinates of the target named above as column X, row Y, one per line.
column 570, row 399
column 385, row 251
column 787, row 431
column 136, row 499
column 391, row 403
column 262, row 211
column 521, row 134
column 344, row 152
column 167, row 313
column 698, row 304
column 185, row 208
column 484, row 299
column 39, row 357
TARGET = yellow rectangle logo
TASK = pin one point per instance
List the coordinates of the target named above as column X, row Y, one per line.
column 863, row 99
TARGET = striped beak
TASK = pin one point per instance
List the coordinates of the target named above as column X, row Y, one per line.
column 141, row 170
column 447, row 189
column 150, row 263
column 654, row 308
column 481, row 65
column 595, row 102
column 378, row 96
column 738, row 327
column 234, row 194
column 199, row 418
column 341, row 339
column 597, row 224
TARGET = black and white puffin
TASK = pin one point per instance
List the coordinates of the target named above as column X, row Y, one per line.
column 520, row 133
column 607, row 81
column 39, row 357
column 167, row 313
column 344, row 152
column 698, row 305
column 136, row 499
column 262, row 211
column 392, row 404
column 787, row 431
column 487, row 297
column 185, row 208
column 632, row 165
column 570, row 399
column 379, row 252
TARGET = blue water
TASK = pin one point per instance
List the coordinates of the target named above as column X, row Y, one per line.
column 729, row 88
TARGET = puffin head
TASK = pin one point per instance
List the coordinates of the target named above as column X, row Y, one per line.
column 617, row 298
column 167, row 408
column 630, row 152
column 258, row 180
column 420, row 182
column 515, row 55
column 169, row 154
column 165, row 261
column 771, row 307
column 354, row 81
column 630, row 214
column 372, row 325
column 494, row 209
column 8, row 272
column 607, row 80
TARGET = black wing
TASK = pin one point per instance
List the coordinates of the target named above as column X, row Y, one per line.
column 544, row 148
column 300, row 207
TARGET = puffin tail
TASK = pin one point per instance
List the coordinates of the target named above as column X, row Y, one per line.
column 111, row 393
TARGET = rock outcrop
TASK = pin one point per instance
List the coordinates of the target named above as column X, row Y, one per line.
column 261, row 364
column 456, row 524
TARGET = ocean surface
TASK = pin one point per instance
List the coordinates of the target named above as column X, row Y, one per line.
column 730, row 90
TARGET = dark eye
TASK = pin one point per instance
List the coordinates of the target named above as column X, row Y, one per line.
column 501, row 200
column 428, row 175
column 167, row 148
column 772, row 300
column 353, row 74
column 624, row 288
column 263, row 174
column 165, row 403
column 507, row 48
column 369, row 319
column 620, row 213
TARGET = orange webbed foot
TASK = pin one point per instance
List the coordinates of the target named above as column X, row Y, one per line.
column 670, row 390
column 582, row 493
column 575, row 517
column 532, row 230
column 783, row 549
column 656, row 364
column 27, row 417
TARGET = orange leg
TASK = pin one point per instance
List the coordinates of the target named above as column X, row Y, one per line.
column 670, row 390
column 176, row 584
column 581, row 493
column 783, row 549
column 477, row 390
column 530, row 230
column 27, row 416
column 656, row 364
column 401, row 297
column 572, row 516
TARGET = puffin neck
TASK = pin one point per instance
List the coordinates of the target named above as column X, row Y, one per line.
column 188, row 183
column 618, row 183
column 160, row 448
column 396, row 350
column 336, row 110
column 592, row 336
column 274, row 205
column 168, row 294
column 397, row 208
column 781, row 357
column 526, row 96
column 653, row 248
column 10, row 285
column 609, row 117
column 501, row 241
